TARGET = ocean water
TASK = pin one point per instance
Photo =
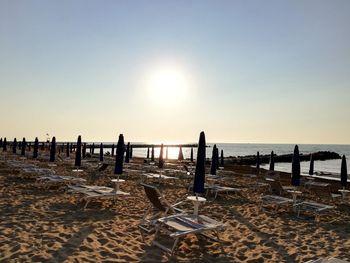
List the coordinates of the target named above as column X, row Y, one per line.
column 243, row 149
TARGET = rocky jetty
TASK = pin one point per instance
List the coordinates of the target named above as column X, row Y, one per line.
column 284, row 158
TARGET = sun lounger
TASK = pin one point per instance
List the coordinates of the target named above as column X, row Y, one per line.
column 159, row 207
column 312, row 207
column 178, row 226
column 327, row 260
column 275, row 200
column 90, row 192
column 48, row 180
column 216, row 189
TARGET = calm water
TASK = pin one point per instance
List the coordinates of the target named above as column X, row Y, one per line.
column 242, row 149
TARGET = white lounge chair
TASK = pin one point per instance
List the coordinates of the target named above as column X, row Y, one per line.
column 178, row 226
column 90, row 192
column 315, row 208
column 159, row 207
column 275, row 200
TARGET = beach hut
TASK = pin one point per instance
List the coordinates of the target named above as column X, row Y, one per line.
column 101, row 152
column 127, row 153
column 77, row 162
column 272, row 162
column 112, row 150
column 222, row 158
column 181, row 155
column 311, row 170
column 118, row 169
column 199, row 176
column 152, row 154
column 23, row 146
column 36, row 148
column 161, row 160
column 213, row 161
column 14, row 146
column 84, row 150
column 147, row 153
column 343, row 172
column 191, row 154
column 4, row 145
column 53, row 149
column 296, row 167
column 258, row 161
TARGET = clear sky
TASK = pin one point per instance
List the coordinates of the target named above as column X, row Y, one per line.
column 242, row 71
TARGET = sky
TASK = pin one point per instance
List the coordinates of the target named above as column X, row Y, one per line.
column 162, row 71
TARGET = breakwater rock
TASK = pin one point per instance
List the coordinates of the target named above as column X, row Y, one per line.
column 284, row 158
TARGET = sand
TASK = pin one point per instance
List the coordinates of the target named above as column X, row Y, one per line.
column 50, row 225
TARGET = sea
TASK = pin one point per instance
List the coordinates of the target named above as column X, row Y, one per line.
column 244, row 149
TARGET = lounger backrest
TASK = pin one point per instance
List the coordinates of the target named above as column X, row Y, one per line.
column 153, row 196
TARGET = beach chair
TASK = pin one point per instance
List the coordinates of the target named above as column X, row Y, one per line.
column 48, row 180
column 314, row 208
column 327, row 260
column 216, row 189
column 179, row 226
column 276, row 187
column 91, row 192
column 159, row 207
column 275, row 201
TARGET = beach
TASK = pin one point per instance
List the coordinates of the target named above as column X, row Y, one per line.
column 40, row 224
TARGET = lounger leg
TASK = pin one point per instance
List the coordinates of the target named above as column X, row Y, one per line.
column 87, row 202
column 174, row 246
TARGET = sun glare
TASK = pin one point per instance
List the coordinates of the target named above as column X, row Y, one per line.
column 167, row 87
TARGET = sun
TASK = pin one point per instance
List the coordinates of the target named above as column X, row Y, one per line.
column 167, row 87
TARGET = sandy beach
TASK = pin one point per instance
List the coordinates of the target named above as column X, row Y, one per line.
column 40, row 224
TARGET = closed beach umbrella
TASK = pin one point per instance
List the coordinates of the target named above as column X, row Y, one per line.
column 311, row 170
column 199, row 176
column 258, row 161
column 23, row 147
column 67, row 150
column 118, row 169
column 131, row 149
column 14, row 146
column 78, row 153
column 101, row 152
column 4, row 145
column 191, row 154
column 152, row 154
column 217, row 158
column 343, row 172
column 127, row 153
column 147, row 153
column 53, row 149
column 222, row 158
column 213, row 161
column 36, row 148
column 181, row 155
column 296, row 167
column 112, row 150
column 93, row 149
column 84, row 150
column 161, row 160
column 272, row 162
